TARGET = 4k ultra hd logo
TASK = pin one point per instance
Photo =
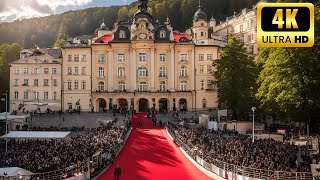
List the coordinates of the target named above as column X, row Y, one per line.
column 285, row 25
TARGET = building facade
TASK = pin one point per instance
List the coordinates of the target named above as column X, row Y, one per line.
column 35, row 81
column 243, row 26
column 140, row 63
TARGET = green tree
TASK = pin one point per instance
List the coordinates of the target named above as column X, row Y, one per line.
column 123, row 14
column 236, row 76
column 59, row 43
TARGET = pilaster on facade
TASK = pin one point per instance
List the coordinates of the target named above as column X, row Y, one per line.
column 152, row 73
column 110, row 72
column 172, row 70
column 134, row 69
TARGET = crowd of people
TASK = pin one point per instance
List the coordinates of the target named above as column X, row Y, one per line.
column 264, row 154
column 49, row 155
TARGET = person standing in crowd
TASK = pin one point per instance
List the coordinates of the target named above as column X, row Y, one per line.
column 117, row 172
column 140, row 123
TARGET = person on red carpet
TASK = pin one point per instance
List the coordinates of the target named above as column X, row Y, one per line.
column 117, row 172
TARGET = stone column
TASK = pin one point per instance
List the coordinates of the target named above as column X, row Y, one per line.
column 110, row 72
column 152, row 72
column 172, row 71
column 134, row 70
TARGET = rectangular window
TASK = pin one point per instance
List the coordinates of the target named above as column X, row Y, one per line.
column 101, row 58
column 69, row 85
column 55, row 95
column 202, row 85
column 201, row 69
column 16, row 95
column 184, row 57
column 209, row 84
column 162, row 57
column 16, row 82
column 83, row 85
column 121, row 58
column 83, row 71
column 36, row 71
column 76, row 57
column 209, row 69
column 201, row 57
column 54, row 70
column 26, row 82
column 45, row 95
column 36, row 82
column 69, row 57
column 46, row 70
column 16, row 70
column 76, row 85
column 36, row 95
column 46, row 82
column 69, row 70
column 142, row 57
column 25, row 70
column 76, row 71
column 54, row 82
column 84, row 58
column 25, row 95
column 209, row 57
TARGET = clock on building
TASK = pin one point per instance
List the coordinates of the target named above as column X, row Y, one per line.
column 142, row 36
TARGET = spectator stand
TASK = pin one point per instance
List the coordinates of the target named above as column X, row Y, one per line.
column 231, row 171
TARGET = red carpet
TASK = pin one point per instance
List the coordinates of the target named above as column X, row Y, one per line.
column 150, row 154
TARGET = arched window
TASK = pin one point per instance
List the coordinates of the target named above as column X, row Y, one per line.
column 183, row 71
column 183, row 86
column 142, row 86
column 101, row 86
column 163, row 72
column 101, row 72
column 122, row 86
column 204, row 103
column 162, row 34
column 122, row 34
column 162, row 86
column 121, row 71
column 142, row 71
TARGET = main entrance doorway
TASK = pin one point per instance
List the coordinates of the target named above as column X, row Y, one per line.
column 102, row 105
column 143, row 105
column 163, row 105
column 123, row 103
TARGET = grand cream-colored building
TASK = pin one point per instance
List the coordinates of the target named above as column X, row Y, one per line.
column 35, row 81
column 140, row 63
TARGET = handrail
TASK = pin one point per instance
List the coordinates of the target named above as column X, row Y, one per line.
column 235, row 169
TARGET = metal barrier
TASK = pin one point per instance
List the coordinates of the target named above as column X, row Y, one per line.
column 87, row 169
column 234, row 172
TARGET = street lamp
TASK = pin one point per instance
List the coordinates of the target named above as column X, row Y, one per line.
column 6, row 118
column 253, row 109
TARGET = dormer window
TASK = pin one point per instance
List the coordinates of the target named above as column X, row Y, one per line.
column 202, row 34
column 122, row 34
column 162, row 34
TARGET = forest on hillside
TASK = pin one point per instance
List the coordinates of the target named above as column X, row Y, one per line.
column 44, row 31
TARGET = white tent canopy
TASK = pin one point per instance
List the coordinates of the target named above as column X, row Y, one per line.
column 36, row 135
column 14, row 171
column 9, row 116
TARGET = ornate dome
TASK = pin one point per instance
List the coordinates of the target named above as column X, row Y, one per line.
column 200, row 15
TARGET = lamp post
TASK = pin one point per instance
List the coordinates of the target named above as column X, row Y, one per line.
column 253, row 109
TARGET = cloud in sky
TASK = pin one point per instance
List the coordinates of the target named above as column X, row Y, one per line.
column 11, row 10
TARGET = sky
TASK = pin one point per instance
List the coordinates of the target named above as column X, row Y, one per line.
column 11, row 10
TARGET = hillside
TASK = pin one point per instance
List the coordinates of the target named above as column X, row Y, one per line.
column 45, row 31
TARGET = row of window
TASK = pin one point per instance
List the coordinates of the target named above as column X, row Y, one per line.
column 76, row 85
column 142, row 85
column 76, row 71
column 76, row 57
column 36, row 70
column 35, row 95
column 54, row 82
